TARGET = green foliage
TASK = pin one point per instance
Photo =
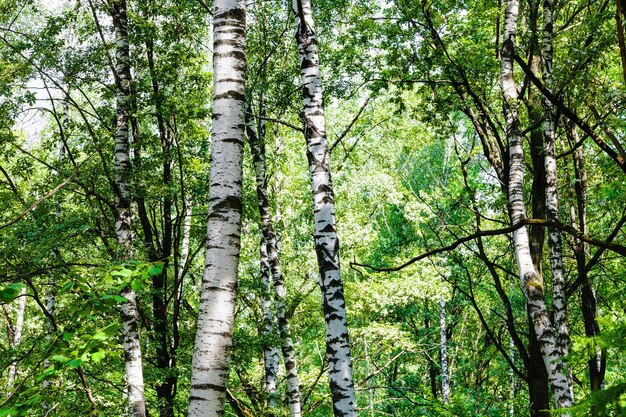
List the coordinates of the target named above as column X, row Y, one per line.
column 11, row 292
column 410, row 175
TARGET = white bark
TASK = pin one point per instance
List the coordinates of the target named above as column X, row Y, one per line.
column 326, row 241
column 560, row 323
column 531, row 281
column 269, row 248
column 217, row 300
column 184, row 246
column 271, row 359
column 184, row 252
column 17, row 333
column 122, row 170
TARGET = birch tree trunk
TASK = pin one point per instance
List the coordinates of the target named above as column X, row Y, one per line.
column 280, row 304
column 531, row 281
column 16, row 338
column 559, row 304
column 270, row 244
column 271, row 358
column 122, row 170
column 219, row 282
column 326, row 241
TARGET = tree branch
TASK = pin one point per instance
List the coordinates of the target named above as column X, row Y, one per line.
column 41, row 200
column 569, row 113
column 620, row 249
column 347, row 129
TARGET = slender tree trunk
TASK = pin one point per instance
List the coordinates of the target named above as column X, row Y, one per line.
column 619, row 13
column 270, row 244
column 559, row 303
column 179, row 284
column 597, row 363
column 531, row 281
column 17, row 333
column 443, row 351
column 160, row 294
column 326, row 240
column 536, row 234
column 537, row 374
column 219, row 283
column 122, row 169
column 280, row 304
column 184, row 245
column 271, row 359
column 432, row 371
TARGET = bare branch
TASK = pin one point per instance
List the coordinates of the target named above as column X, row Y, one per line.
column 350, row 125
column 44, row 198
column 620, row 249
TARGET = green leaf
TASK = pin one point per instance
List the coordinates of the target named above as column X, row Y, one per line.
column 111, row 329
column 155, row 269
column 75, row 363
column 100, row 336
column 136, row 284
column 10, row 292
column 98, row 356
column 58, row 358
column 66, row 287
column 122, row 273
column 115, row 297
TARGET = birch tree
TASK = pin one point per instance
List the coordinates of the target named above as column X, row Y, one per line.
column 326, row 240
column 219, row 282
column 561, row 326
column 123, row 231
column 531, row 282
column 15, row 332
column 269, row 248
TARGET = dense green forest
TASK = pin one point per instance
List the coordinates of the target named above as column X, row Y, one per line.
column 172, row 244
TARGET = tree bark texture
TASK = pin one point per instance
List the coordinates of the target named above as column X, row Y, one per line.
column 219, row 282
column 16, row 337
column 269, row 245
column 122, row 170
column 531, row 281
column 597, row 363
column 555, row 239
column 326, row 240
